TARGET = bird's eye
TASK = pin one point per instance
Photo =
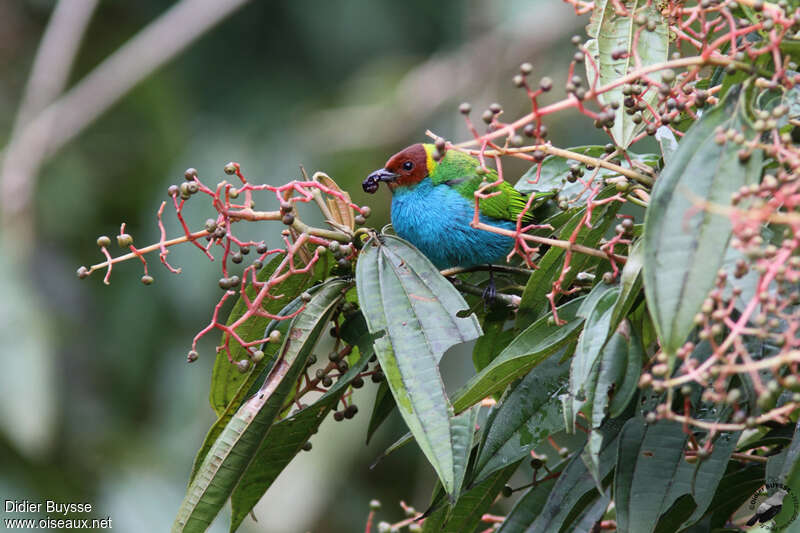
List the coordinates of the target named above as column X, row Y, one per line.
column 408, row 165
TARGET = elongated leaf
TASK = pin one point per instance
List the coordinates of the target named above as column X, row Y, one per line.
column 683, row 245
column 403, row 295
column 523, row 419
column 495, row 336
column 531, row 347
column 534, row 302
column 630, row 283
column 790, row 472
column 226, row 380
column 573, row 493
column 652, row 476
column 626, row 389
column 235, row 448
column 285, row 439
column 592, row 514
column 554, row 172
column 530, row 505
column 611, row 32
column 735, row 488
column 383, row 407
column 250, row 384
column 465, row 515
column 583, row 371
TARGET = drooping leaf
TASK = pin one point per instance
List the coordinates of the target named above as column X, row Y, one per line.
column 683, row 244
column 229, row 457
column 403, row 295
column 286, row 438
column 611, row 32
column 596, row 330
column 226, row 380
column 251, row 383
column 381, row 409
column 531, row 347
column 626, row 389
column 523, row 419
column 630, row 283
column 554, row 172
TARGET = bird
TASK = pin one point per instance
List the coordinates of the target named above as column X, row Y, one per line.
column 433, row 204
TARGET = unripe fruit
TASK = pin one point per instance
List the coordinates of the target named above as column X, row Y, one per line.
column 103, row 241
column 124, row 240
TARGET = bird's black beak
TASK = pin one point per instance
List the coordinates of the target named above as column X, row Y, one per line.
column 370, row 184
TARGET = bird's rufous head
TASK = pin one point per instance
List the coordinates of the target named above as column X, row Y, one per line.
column 405, row 168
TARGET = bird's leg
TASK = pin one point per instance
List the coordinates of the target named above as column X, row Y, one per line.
column 490, row 292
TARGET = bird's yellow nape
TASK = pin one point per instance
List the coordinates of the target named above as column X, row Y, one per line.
column 429, row 162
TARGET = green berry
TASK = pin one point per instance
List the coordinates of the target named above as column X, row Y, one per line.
column 124, row 240
column 147, row 280
column 230, row 168
column 103, row 241
column 192, row 356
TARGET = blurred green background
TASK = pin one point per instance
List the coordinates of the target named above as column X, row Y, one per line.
column 97, row 403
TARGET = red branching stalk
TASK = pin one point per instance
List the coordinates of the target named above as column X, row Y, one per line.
column 301, row 245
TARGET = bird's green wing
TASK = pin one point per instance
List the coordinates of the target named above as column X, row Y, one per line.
column 458, row 170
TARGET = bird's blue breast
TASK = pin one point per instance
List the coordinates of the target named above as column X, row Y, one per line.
column 436, row 220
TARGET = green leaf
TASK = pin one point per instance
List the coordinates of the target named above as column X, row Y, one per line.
column 531, row 347
column 495, row 336
column 534, row 298
column 652, row 476
column 227, row 383
column 554, row 172
column 611, row 32
column 684, row 245
column 381, row 409
column 630, row 283
column 528, row 507
column 790, row 472
column 402, row 294
column 523, row 419
column 626, row 389
column 232, row 453
column 251, row 383
column 646, row 463
column 465, row 515
column 573, row 493
column 286, row 438
column 597, row 309
column 734, row 489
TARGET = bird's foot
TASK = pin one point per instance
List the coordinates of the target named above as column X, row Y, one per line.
column 490, row 292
